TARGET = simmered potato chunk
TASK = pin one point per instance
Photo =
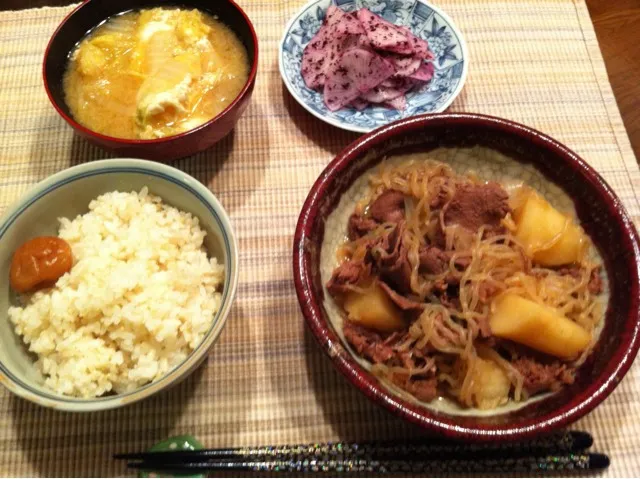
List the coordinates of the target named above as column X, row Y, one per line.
column 537, row 326
column 549, row 237
column 490, row 385
column 373, row 309
column 568, row 249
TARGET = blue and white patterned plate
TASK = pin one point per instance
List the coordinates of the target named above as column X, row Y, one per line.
column 426, row 21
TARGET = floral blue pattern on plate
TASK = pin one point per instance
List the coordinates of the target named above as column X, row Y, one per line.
column 425, row 20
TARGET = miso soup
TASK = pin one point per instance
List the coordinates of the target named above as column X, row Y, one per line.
column 154, row 73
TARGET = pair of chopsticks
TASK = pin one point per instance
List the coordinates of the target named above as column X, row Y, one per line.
column 560, row 452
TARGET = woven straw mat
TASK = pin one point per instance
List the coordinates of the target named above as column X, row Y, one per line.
column 265, row 381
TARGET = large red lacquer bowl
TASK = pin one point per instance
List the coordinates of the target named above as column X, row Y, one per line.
column 93, row 12
column 600, row 212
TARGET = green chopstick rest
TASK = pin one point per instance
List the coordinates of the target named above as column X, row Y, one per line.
column 175, row 443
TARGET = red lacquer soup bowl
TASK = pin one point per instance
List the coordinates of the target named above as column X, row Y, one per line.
column 599, row 210
column 90, row 14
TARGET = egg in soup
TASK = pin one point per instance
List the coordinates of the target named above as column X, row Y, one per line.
column 154, row 73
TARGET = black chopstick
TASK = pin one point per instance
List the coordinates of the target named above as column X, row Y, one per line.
column 529, row 464
column 558, row 443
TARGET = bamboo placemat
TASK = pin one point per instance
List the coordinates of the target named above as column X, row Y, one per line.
column 266, row 382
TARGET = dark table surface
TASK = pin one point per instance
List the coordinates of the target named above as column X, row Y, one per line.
column 617, row 25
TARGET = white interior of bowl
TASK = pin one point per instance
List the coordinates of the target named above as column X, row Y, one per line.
column 69, row 199
column 487, row 164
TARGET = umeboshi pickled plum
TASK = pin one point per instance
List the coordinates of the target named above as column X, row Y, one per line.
column 39, row 263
